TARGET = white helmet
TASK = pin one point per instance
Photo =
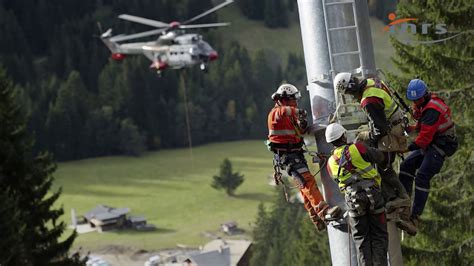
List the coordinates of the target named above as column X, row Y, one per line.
column 286, row 91
column 343, row 81
column 334, row 131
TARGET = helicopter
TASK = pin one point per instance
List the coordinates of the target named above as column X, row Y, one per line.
column 173, row 49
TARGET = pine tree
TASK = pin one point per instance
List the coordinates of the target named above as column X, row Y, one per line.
column 447, row 229
column 11, row 228
column 252, row 9
column 131, row 141
column 66, row 119
column 276, row 14
column 285, row 236
column 227, row 180
column 260, row 237
column 25, row 181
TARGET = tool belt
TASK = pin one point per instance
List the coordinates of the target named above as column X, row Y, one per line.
column 359, row 185
column 293, row 163
column 356, row 193
column 281, row 148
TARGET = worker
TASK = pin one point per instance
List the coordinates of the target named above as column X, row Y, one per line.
column 435, row 141
column 286, row 124
column 387, row 133
column 351, row 166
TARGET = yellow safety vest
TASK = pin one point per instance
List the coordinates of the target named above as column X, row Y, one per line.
column 361, row 169
column 372, row 89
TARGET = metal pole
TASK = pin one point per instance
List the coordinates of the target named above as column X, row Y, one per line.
column 336, row 37
column 322, row 98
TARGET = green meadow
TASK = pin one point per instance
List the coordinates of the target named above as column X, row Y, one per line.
column 171, row 189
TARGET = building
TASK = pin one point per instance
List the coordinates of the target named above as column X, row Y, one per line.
column 106, row 218
column 229, row 228
column 240, row 250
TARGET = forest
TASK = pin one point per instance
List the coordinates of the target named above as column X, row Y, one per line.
column 83, row 104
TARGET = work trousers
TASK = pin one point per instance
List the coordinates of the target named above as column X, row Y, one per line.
column 392, row 188
column 368, row 225
column 296, row 166
column 420, row 166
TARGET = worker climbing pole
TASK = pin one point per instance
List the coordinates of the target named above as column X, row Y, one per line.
column 337, row 38
column 286, row 124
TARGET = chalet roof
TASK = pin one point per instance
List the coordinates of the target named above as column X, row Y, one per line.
column 237, row 248
column 104, row 213
column 230, row 224
column 137, row 219
column 219, row 257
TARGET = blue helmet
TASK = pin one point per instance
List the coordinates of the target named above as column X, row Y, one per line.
column 416, row 89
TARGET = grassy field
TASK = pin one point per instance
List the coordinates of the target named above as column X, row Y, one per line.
column 171, row 193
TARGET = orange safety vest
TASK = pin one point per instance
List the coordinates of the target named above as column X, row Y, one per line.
column 282, row 127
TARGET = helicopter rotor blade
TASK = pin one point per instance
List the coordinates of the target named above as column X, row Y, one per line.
column 209, row 25
column 145, row 21
column 106, row 34
column 136, row 35
column 227, row 2
column 99, row 26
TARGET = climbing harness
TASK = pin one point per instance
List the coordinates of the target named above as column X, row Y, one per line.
column 277, row 166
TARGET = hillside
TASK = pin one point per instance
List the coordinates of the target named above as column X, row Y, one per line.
column 281, row 41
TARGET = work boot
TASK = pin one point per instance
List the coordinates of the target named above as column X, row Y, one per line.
column 404, row 213
column 322, row 209
column 410, row 226
column 334, row 213
column 318, row 223
column 397, row 203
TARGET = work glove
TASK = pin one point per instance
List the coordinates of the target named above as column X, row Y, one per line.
column 363, row 136
column 303, row 124
column 302, row 113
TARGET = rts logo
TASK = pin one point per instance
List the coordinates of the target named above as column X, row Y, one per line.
column 404, row 26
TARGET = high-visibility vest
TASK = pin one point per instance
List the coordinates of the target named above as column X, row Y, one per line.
column 282, row 126
column 377, row 88
column 445, row 121
column 351, row 167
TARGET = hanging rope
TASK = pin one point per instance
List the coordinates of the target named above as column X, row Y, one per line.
column 186, row 111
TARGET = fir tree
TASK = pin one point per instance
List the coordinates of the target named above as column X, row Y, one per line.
column 131, row 141
column 286, row 236
column 260, row 236
column 227, row 180
column 25, row 181
column 276, row 14
column 447, row 235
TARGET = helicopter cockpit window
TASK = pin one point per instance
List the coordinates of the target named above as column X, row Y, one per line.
column 204, row 47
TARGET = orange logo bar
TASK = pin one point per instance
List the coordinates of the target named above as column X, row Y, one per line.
column 392, row 17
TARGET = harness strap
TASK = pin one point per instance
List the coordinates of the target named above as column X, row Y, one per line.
column 356, row 174
column 439, row 150
column 342, row 161
column 371, row 198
